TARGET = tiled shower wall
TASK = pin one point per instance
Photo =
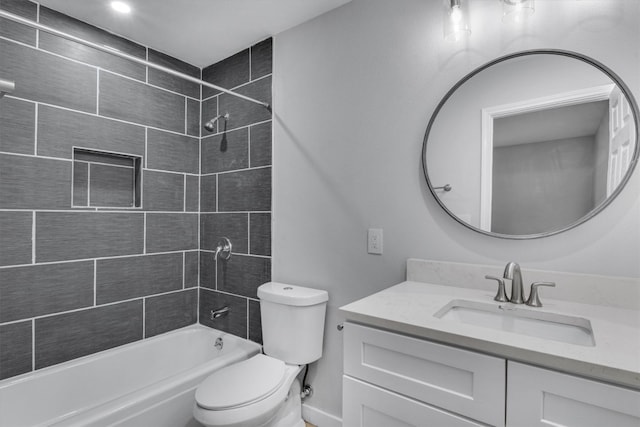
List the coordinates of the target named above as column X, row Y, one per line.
column 235, row 193
column 74, row 281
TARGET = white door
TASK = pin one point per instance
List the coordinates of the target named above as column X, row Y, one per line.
column 622, row 142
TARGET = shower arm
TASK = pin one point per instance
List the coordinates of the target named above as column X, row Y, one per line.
column 6, row 87
column 104, row 48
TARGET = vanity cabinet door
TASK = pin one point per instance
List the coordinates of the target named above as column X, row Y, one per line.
column 540, row 397
column 366, row 405
column 467, row 383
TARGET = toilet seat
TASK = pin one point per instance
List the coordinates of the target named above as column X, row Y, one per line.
column 241, row 384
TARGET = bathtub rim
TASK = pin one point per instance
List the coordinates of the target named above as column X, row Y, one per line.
column 8, row 382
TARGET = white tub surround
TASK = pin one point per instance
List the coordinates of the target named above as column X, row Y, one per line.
column 149, row 382
column 409, row 308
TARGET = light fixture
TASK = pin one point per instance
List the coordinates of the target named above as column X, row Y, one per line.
column 120, row 7
column 456, row 20
column 516, row 10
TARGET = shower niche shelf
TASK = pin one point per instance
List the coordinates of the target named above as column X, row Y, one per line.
column 103, row 179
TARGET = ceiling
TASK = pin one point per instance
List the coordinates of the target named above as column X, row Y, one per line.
column 571, row 121
column 200, row 32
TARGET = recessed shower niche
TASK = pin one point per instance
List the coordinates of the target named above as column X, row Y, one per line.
column 105, row 179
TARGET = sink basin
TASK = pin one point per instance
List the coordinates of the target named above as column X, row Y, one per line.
column 511, row 318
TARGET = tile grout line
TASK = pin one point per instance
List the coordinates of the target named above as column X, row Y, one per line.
column 95, row 282
column 33, row 238
column 33, row 344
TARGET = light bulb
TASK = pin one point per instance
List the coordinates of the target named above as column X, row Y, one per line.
column 120, row 7
column 456, row 14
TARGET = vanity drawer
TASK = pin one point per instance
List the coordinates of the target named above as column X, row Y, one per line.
column 467, row 383
column 540, row 397
column 366, row 405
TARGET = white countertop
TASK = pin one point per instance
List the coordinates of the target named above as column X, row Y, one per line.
column 409, row 308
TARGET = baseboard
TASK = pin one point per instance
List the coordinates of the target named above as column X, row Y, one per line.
column 320, row 418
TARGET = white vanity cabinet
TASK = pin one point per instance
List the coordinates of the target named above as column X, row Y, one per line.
column 394, row 380
column 540, row 397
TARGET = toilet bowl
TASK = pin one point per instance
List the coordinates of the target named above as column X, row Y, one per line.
column 263, row 391
column 248, row 393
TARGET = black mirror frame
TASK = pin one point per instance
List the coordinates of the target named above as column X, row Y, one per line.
column 634, row 159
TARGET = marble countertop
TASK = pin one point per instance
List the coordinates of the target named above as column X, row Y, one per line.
column 409, row 308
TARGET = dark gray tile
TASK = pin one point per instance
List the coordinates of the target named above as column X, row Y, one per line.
column 191, row 263
column 111, row 186
column 226, row 151
column 36, row 290
column 164, row 313
column 90, row 33
column 81, row 235
column 255, row 322
column 260, row 143
column 34, row 183
column 80, row 184
column 15, row 349
column 13, row 30
column 248, row 190
column 192, row 198
column 235, row 322
column 172, row 232
column 207, row 270
column 163, row 191
column 60, row 130
column 43, row 77
column 171, row 152
column 260, row 233
column 88, row 55
column 68, row 336
column 241, row 275
column 120, row 279
column 231, row 225
column 136, row 102
column 208, row 188
column 261, row 58
column 228, row 73
column 170, row 82
column 17, row 133
column 16, row 230
column 193, row 117
column 242, row 112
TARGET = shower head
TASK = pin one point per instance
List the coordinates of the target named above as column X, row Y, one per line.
column 210, row 125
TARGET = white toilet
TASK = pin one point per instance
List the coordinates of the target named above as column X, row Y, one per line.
column 263, row 391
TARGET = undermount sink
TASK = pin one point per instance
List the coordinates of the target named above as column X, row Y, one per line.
column 511, row 318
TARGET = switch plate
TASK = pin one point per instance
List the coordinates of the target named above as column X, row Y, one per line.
column 374, row 241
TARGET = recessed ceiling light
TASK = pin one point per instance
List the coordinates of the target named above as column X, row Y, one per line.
column 121, row 7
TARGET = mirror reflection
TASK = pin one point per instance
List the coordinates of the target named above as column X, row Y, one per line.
column 530, row 145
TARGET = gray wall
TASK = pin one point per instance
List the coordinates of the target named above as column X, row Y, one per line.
column 236, row 191
column 77, row 281
column 354, row 90
column 542, row 186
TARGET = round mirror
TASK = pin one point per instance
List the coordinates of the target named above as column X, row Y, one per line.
column 531, row 144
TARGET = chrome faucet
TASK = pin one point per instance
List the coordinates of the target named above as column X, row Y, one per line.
column 512, row 272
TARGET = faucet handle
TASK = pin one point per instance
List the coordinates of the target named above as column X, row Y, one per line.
column 501, row 296
column 534, row 299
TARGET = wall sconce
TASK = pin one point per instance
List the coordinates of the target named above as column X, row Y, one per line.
column 517, row 10
column 456, row 20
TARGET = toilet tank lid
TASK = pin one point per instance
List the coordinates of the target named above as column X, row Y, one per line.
column 282, row 293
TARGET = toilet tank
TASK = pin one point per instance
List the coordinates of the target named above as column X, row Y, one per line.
column 292, row 322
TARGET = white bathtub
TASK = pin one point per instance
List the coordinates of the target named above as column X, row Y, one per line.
column 146, row 383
